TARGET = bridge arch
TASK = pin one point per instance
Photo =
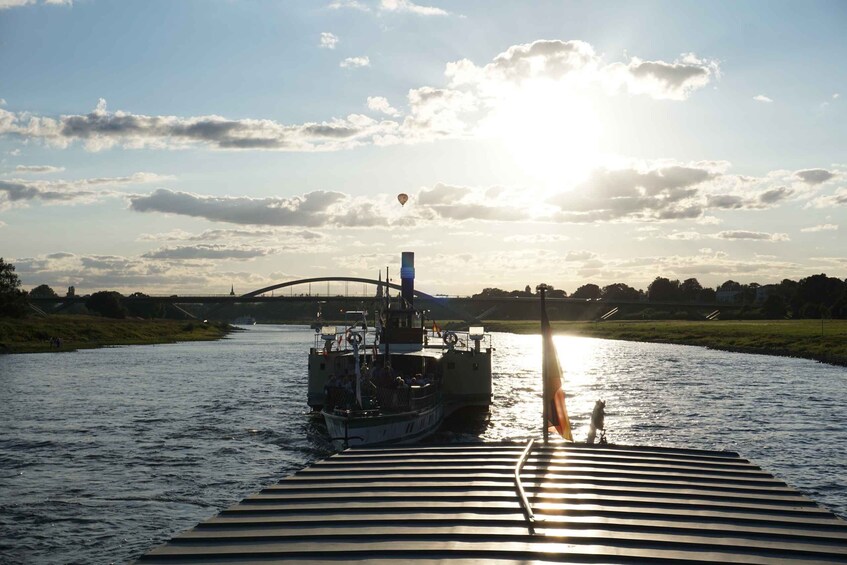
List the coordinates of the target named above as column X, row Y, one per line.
column 257, row 292
column 461, row 313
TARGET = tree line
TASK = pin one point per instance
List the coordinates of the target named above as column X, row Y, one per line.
column 815, row 296
column 811, row 297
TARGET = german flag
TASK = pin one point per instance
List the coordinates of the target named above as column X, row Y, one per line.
column 554, row 395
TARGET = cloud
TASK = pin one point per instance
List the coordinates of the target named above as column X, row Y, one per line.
column 207, row 251
column 836, row 96
column 355, row 62
column 774, row 195
column 89, row 273
column 351, row 4
column 762, row 98
column 815, row 176
column 380, row 104
column 473, row 95
column 672, row 81
column 102, row 129
column 577, row 61
column 389, row 6
column 38, row 169
column 6, row 4
column 410, row 7
column 328, row 40
column 437, row 112
column 314, row 209
column 541, row 238
column 685, row 235
column 839, row 198
column 228, row 234
column 820, row 227
column 753, row 235
column 579, row 256
column 663, row 193
column 18, row 191
column 459, row 203
column 639, row 193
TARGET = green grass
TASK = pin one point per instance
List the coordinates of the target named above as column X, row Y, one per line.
column 33, row 335
column 794, row 338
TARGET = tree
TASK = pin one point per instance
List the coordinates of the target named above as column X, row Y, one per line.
column 620, row 291
column 107, row 303
column 773, row 308
column 663, row 290
column 43, row 291
column 12, row 298
column 729, row 285
column 690, row 290
column 491, row 293
column 589, row 290
column 707, row 295
column 141, row 308
column 820, row 290
column 556, row 293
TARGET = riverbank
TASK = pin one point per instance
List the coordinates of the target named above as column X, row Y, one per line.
column 807, row 339
column 69, row 333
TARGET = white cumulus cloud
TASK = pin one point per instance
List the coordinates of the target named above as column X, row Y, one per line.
column 355, row 62
column 381, row 104
column 410, row 7
column 328, row 40
column 820, row 227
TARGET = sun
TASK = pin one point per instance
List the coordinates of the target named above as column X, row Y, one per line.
column 551, row 130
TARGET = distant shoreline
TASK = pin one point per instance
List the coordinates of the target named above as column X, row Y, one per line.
column 783, row 338
column 56, row 334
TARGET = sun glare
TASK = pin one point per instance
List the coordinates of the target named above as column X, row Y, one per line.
column 552, row 131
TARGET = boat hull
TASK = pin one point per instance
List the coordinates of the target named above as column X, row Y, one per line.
column 348, row 430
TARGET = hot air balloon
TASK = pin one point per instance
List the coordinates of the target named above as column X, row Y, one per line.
column 402, row 198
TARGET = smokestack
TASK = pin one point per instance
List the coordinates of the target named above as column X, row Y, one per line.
column 407, row 276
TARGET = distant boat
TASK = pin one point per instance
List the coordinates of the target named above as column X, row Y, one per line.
column 394, row 382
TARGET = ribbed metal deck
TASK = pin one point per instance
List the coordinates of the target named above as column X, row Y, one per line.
column 458, row 502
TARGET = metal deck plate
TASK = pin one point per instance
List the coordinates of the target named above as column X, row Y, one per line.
column 615, row 504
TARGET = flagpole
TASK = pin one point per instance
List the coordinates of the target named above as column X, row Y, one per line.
column 542, row 290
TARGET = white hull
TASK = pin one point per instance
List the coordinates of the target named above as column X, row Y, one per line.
column 405, row 427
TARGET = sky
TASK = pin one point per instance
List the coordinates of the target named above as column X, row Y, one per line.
column 190, row 146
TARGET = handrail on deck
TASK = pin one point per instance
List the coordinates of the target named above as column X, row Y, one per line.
column 530, row 517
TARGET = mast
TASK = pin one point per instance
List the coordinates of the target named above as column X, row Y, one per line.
column 542, row 290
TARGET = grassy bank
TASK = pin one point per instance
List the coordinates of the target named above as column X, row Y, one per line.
column 793, row 338
column 33, row 335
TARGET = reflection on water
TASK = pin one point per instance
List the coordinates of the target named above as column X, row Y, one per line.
column 106, row 453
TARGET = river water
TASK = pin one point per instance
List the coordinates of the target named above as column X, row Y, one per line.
column 106, row 453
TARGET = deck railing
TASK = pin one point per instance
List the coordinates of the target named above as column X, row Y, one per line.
column 530, row 517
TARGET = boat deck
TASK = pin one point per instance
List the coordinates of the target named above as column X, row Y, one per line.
column 458, row 502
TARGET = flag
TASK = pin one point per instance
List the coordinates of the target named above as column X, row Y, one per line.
column 554, row 395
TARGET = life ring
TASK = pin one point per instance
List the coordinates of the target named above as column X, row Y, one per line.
column 450, row 338
column 354, row 338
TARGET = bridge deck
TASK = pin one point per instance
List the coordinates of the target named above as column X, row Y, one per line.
column 616, row 504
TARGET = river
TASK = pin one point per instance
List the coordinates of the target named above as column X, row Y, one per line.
column 106, row 453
